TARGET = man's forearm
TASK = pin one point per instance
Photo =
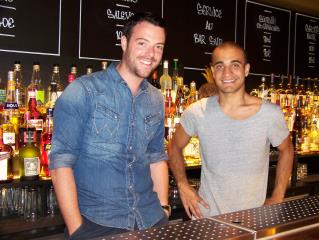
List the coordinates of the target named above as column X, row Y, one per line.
column 283, row 172
column 159, row 174
column 65, row 188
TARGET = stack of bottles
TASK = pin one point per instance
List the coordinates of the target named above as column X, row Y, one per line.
column 177, row 97
column 26, row 122
column 299, row 101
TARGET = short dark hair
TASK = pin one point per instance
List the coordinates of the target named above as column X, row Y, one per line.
column 234, row 45
column 142, row 17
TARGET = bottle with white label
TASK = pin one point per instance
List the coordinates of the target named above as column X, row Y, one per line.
column 30, row 158
column 6, row 161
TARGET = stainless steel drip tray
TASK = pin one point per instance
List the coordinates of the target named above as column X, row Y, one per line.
column 274, row 219
column 203, row 229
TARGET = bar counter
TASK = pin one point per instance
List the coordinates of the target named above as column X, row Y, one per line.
column 296, row 219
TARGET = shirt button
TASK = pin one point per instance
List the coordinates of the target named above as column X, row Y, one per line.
column 131, row 187
column 130, row 147
column 133, row 208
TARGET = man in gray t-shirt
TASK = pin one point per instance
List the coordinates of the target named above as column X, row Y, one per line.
column 235, row 132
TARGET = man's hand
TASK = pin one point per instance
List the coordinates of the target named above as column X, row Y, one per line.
column 190, row 200
column 273, row 200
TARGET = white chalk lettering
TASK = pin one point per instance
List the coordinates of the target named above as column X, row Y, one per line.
column 7, row 22
column 118, row 14
column 209, row 26
column 209, row 11
column 199, row 38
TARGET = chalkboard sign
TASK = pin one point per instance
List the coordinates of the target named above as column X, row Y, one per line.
column 306, row 48
column 101, row 24
column 30, row 26
column 197, row 26
column 267, row 38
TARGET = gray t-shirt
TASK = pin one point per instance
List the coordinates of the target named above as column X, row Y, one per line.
column 234, row 153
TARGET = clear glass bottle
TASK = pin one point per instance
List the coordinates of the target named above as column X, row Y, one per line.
column 30, row 158
column 32, row 87
column 191, row 98
column 154, row 80
column 103, row 65
column 46, row 144
column 56, row 78
column 20, row 90
column 74, row 70
column 11, row 114
column 165, row 79
column 272, row 95
column 263, row 89
column 88, row 69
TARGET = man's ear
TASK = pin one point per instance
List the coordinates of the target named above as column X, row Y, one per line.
column 247, row 68
column 124, row 43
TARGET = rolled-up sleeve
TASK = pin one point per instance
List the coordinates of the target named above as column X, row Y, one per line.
column 70, row 116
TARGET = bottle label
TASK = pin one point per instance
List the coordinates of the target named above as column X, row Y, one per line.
column 31, row 166
column 37, row 123
column 4, row 156
column 9, row 138
column 2, row 95
column 32, row 137
column 9, row 105
column 40, row 97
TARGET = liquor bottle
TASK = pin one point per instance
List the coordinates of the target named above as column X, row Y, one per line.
column 32, row 87
column 297, row 128
column 154, row 80
column 272, row 95
column 289, row 92
column 165, row 79
column 35, row 117
column 169, row 114
column 74, row 70
column 88, row 69
column 30, row 158
column 20, row 90
column 180, row 97
column 40, row 94
column 104, row 65
column 24, row 128
column 314, row 129
column 3, row 92
column 315, row 91
column 52, row 97
column 56, row 78
column 46, row 144
column 175, row 75
column 71, row 78
column 11, row 115
column 6, row 161
column 191, row 98
column 263, row 89
column 281, row 91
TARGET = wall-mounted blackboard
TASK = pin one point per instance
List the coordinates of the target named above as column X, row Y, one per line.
column 306, row 47
column 267, row 38
column 101, row 24
column 30, row 26
column 197, row 27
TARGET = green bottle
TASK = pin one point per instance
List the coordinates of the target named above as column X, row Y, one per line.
column 30, row 158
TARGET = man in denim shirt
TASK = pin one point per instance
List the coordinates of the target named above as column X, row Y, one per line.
column 108, row 163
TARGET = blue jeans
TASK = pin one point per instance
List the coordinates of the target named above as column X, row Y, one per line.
column 90, row 229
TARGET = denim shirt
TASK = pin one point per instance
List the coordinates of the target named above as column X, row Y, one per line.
column 110, row 137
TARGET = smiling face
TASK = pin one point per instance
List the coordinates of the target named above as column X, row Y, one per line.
column 229, row 69
column 143, row 51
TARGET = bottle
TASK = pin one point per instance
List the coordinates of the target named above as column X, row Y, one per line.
column 104, row 65
column 20, row 90
column 11, row 115
column 88, row 69
column 154, row 80
column 71, row 78
column 180, row 97
column 169, row 114
column 191, row 98
column 297, row 128
column 6, row 161
column 272, row 89
column 29, row 157
column 175, row 75
column 56, row 78
column 53, row 96
column 46, row 144
column 289, row 92
column 24, row 128
column 263, row 89
column 32, row 87
column 281, row 92
column 3, row 92
column 165, row 79
column 74, row 70
column 40, row 94
column 35, row 118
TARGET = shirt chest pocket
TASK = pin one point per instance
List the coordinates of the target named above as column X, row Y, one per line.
column 106, row 122
column 151, row 123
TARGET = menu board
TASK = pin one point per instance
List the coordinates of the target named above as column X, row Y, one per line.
column 30, row 26
column 201, row 26
column 267, row 38
column 101, row 23
column 306, row 48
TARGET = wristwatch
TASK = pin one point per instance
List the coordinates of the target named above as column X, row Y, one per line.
column 168, row 208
